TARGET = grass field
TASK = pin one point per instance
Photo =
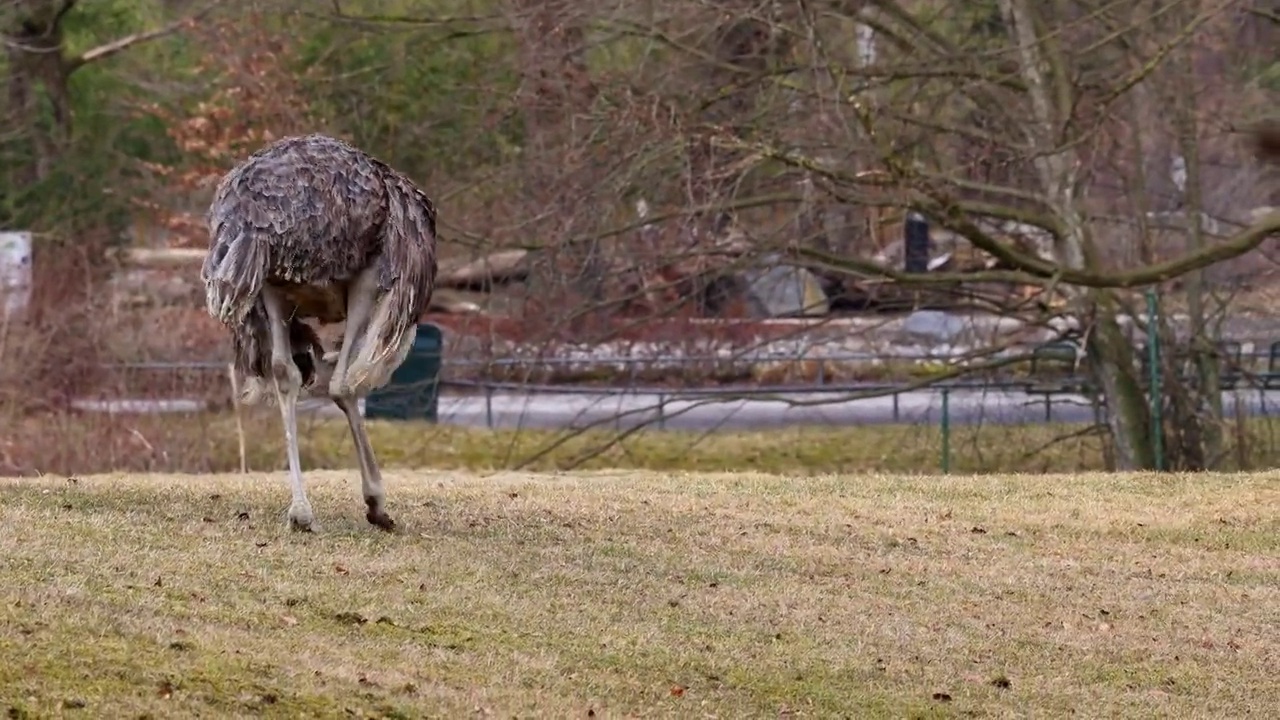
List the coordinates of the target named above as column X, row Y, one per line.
column 208, row 443
column 643, row 594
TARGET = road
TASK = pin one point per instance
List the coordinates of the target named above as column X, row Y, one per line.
column 564, row 410
column 621, row 411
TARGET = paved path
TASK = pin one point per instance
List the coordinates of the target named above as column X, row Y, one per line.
column 578, row 410
column 562, row 410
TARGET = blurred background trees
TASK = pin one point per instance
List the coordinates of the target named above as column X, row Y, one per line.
column 655, row 159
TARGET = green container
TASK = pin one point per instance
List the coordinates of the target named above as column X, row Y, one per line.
column 413, row 392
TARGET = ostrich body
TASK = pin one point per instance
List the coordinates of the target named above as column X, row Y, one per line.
column 311, row 228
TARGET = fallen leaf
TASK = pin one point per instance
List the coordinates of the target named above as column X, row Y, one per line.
column 677, row 691
column 242, row 515
column 341, row 570
column 165, row 690
column 216, row 496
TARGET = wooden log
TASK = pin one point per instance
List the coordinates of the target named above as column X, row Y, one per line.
column 499, row 268
column 159, row 257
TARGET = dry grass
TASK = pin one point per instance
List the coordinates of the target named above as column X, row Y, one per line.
column 654, row 595
column 207, row 442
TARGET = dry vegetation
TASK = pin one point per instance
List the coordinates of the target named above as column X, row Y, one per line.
column 743, row 127
column 654, row 595
column 71, row 444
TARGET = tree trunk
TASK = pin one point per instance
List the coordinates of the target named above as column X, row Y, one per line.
column 1128, row 418
column 1109, row 353
column 1202, row 410
column 37, row 66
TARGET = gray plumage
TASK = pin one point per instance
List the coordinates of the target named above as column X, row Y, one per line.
column 311, row 228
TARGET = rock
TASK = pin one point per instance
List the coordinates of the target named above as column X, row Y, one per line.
column 785, row 291
column 933, row 325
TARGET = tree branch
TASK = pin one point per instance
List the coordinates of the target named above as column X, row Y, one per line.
column 120, row 45
column 1037, row 271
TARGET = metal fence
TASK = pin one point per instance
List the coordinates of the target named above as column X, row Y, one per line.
column 1039, row 396
column 1042, row 395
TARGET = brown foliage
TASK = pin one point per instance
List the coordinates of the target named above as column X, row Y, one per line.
column 252, row 100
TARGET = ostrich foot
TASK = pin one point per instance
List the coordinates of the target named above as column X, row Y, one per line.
column 302, row 519
column 377, row 514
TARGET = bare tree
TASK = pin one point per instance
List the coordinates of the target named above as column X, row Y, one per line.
column 621, row 172
column 1039, row 87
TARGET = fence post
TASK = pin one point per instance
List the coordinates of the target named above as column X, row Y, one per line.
column 1156, row 393
column 946, row 431
column 488, row 405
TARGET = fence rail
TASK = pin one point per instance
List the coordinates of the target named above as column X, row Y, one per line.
column 1045, row 390
column 1038, row 397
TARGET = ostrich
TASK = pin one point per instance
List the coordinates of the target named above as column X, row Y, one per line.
column 310, row 227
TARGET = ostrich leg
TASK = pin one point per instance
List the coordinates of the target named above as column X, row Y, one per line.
column 361, row 299
column 370, row 477
column 288, row 383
